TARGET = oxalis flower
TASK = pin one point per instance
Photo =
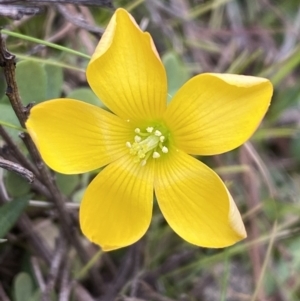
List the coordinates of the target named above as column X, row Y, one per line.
column 148, row 145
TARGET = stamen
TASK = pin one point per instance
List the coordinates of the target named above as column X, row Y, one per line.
column 144, row 161
column 137, row 139
column 148, row 143
column 155, row 155
column 164, row 149
column 157, row 133
column 149, row 129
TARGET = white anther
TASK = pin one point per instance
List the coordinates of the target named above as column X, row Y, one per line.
column 143, row 162
column 137, row 130
column 155, row 155
column 157, row 133
column 128, row 144
column 164, row 149
column 137, row 139
column 162, row 138
column 149, row 129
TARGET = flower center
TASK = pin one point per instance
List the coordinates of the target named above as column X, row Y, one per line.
column 150, row 142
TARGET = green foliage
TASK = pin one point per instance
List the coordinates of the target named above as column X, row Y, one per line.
column 8, row 116
column 32, row 82
column 283, row 100
column 67, row 183
column 16, row 185
column 86, row 95
column 10, row 212
column 295, row 148
column 2, row 85
column 177, row 73
column 54, row 76
column 23, row 287
column 38, row 82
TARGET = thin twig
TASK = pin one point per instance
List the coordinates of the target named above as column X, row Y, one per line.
column 66, row 222
column 103, row 3
column 65, row 29
column 3, row 296
column 81, row 293
column 147, row 293
column 17, row 153
column 169, row 265
column 78, row 20
column 43, row 204
column 251, row 184
column 125, row 272
column 25, row 225
column 7, row 61
column 65, row 284
column 17, row 12
column 6, row 153
column 17, row 168
column 38, row 273
column 38, row 244
column 3, row 192
column 60, row 253
column 138, row 258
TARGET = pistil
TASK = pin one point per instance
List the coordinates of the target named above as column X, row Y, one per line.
column 150, row 142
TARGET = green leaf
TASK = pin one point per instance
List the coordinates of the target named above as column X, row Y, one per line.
column 78, row 195
column 86, row 95
column 2, row 84
column 67, row 183
column 295, row 148
column 4, row 99
column 8, row 115
column 54, row 81
column 32, row 81
column 176, row 72
column 15, row 184
column 10, row 212
column 37, row 296
column 283, row 100
column 23, row 287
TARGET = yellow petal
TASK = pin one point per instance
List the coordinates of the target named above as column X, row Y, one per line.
column 196, row 203
column 126, row 72
column 117, row 206
column 75, row 137
column 215, row 113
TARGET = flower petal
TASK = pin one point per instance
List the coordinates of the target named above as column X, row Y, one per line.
column 76, row 137
column 126, row 72
column 215, row 113
column 117, row 206
column 196, row 203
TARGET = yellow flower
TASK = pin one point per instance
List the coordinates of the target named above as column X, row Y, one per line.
column 147, row 145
